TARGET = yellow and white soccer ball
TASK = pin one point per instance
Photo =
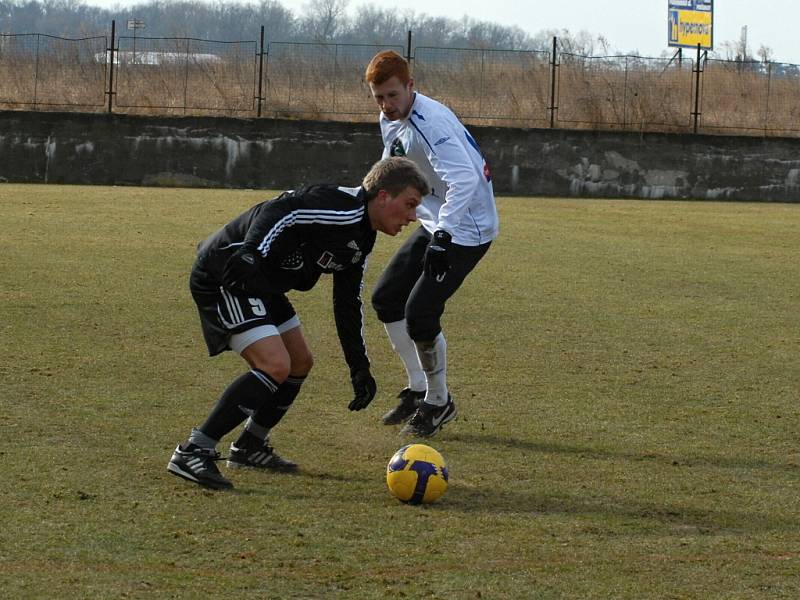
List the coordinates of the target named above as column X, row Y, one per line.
column 417, row 474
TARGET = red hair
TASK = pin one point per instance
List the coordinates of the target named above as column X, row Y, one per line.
column 385, row 65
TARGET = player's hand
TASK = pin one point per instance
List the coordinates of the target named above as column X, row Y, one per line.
column 364, row 388
column 436, row 262
column 241, row 266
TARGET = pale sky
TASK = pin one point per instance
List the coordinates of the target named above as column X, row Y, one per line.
column 633, row 25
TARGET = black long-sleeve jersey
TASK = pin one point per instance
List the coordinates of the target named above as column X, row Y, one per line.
column 301, row 235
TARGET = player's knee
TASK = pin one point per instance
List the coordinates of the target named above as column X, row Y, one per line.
column 422, row 329
column 280, row 371
column 302, row 363
column 276, row 366
column 386, row 306
column 377, row 299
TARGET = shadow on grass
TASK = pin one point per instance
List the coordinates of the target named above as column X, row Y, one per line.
column 675, row 460
column 607, row 512
column 674, row 514
column 624, row 511
column 302, row 478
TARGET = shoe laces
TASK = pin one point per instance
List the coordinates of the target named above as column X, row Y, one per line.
column 419, row 416
column 409, row 396
column 208, row 453
column 266, row 448
column 263, row 447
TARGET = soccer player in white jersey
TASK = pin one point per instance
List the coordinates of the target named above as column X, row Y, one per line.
column 239, row 283
column 458, row 221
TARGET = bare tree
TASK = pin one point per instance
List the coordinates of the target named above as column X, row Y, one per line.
column 325, row 20
column 765, row 53
column 379, row 26
column 582, row 43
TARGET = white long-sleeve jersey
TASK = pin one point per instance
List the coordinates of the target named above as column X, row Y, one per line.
column 461, row 201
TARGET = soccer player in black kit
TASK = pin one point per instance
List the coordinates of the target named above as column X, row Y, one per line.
column 239, row 283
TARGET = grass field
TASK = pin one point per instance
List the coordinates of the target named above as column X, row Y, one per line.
column 627, row 375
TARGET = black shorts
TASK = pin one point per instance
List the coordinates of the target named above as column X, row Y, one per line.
column 226, row 314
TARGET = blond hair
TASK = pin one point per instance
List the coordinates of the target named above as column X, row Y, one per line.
column 394, row 175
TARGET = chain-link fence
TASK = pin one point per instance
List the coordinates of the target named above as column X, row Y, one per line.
column 318, row 80
column 186, row 74
column 38, row 70
column 763, row 97
column 624, row 92
column 487, row 85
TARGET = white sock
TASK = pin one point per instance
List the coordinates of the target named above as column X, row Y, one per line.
column 405, row 348
column 433, row 357
column 198, row 438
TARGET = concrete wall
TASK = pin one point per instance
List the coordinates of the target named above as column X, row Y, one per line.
column 275, row 154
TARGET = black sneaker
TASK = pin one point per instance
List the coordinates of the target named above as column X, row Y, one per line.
column 261, row 456
column 409, row 401
column 198, row 464
column 428, row 419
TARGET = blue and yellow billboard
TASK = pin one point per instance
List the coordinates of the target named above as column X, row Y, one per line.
column 691, row 22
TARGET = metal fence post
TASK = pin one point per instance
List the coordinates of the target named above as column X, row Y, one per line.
column 697, row 72
column 110, row 54
column 260, row 73
column 480, row 98
column 408, row 47
column 335, row 74
column 553, row 108
column 625, row 96
column 769, row 92
column 36, row 74
column 186, row 79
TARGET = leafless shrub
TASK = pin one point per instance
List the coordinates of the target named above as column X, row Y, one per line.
column 319, row 80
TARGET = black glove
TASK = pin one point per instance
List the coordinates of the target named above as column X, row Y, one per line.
column 436, row 263
column 364, row 387
column 241, row 267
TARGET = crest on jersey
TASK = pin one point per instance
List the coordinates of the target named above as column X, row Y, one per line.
column 397, row 148
column 327, row 261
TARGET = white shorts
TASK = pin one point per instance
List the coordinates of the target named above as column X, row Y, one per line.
column 240, row 341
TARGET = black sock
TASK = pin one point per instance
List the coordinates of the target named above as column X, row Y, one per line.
column 242, row 398
column 273, row 411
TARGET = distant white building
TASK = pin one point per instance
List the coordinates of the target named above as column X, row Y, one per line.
column 148, row 57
